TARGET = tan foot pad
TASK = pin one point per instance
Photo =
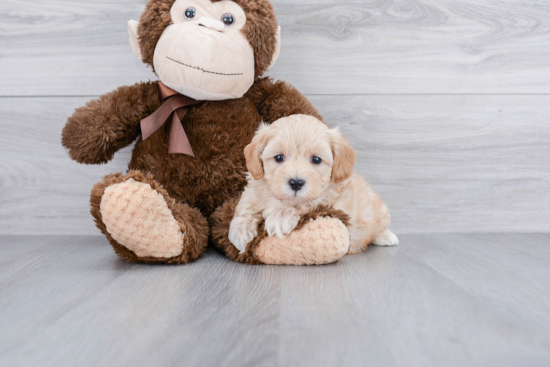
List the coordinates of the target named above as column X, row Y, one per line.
column 322, row 241
column 137, row 217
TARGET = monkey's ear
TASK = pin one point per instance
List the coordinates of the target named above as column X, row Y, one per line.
column 277, row 48
column 134, row 41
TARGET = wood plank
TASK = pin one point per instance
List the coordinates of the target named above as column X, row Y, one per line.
column 452, row 163
column 452, row 300
column 65, row 47
column 441, row 163
column 415, row 46
column 42, row 190
column 72, row 47
column 434, row 300
column 74, row 303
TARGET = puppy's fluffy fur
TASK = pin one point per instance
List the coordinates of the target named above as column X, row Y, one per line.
column 285, row 151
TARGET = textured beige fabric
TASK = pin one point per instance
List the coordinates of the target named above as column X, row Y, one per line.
column 323, row 241
column 137, row 217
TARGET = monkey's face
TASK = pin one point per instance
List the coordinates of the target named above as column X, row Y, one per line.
column 203, row 52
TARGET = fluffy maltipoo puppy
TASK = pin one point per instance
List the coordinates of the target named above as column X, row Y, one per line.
column 298, row 163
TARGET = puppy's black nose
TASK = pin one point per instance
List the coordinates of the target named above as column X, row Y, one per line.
column 296, row 185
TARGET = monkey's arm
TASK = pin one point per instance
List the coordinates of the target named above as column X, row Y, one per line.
column 95, row 132
column 280, row 99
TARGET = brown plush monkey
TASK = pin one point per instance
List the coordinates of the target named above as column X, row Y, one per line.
column 188, row 168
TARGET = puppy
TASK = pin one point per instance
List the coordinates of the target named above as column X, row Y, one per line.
column 295, row 164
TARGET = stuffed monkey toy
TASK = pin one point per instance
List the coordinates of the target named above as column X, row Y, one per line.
column 187, row 168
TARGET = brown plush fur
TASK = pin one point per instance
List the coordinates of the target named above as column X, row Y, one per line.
column 95, row 132
column 192, row 223
column 220, row 221
column 218, row 132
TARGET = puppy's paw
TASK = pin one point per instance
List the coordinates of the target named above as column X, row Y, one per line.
column 387, row 238
column 289, row 223
column 241, row 232
column 281, row 224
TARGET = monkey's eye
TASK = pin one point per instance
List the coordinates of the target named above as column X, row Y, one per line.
column 227, row 19
column 316, row 160
column 279, row 158
column 190, row 13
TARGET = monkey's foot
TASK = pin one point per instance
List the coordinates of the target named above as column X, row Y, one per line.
column 321, row 237
column 323, row 240
column 138, row 218
column 144, row 224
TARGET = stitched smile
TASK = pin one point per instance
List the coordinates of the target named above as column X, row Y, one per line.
column 201, row 69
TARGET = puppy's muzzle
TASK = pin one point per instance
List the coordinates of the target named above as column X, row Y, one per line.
column 296, row 184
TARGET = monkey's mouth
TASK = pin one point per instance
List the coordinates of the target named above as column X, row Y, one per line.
column 201, row 69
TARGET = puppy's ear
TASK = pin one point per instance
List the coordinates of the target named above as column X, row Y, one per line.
column 344, row 157
column 254, row 150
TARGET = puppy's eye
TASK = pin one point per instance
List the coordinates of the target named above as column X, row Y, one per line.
column 316, row 160
column 227, row 19
column 279, row 158
column 190, row 13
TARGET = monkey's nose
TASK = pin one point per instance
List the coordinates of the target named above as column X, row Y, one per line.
column 215, row 25
column 296, row 184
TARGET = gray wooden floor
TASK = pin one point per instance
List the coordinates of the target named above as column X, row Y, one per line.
column 436, row 300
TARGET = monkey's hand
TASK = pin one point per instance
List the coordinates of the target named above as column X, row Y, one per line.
column 95, row 132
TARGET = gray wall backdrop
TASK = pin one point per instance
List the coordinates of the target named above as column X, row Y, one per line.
column 447, row 103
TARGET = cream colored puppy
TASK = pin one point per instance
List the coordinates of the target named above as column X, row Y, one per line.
column 295, row 164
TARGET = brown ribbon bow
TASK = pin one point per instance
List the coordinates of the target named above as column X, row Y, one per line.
column 175, row 108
